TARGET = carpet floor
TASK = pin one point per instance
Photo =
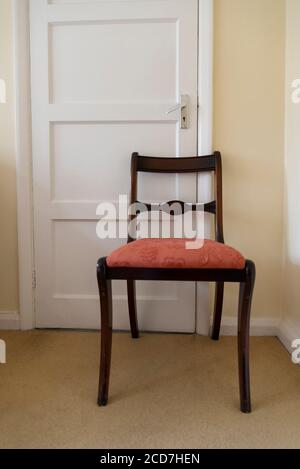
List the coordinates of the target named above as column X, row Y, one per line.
column 167, row 391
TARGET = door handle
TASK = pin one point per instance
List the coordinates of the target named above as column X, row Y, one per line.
column 184, row 107
column 173, row 108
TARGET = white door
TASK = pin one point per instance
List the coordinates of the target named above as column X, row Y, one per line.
column 104, row 74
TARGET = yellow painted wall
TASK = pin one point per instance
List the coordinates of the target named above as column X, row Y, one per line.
column 249, row 130
column 292, row 171
column 8, row 228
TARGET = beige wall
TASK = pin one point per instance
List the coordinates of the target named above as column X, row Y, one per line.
column 249, row 130
column 292, row 171
column 8, row 230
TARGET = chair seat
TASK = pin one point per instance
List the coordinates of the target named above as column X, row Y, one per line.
column 173, row 254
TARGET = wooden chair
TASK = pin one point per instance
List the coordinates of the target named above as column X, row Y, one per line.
column 227, row 266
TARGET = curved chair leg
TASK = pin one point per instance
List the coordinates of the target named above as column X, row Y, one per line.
column 219, row 294
column 245, row 298
column 132, row 309
column 105, row 292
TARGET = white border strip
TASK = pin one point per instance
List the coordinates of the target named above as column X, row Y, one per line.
column 205, row 73
column 23, row 161
column 205, row 132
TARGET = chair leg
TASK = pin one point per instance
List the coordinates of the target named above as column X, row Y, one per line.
column 105, row 292
column 245, row 298
column 132, row 309
column 219, row 294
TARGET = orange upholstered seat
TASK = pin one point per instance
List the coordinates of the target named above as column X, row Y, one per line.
column 173, row 254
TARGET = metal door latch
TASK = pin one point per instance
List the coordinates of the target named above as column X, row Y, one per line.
column 184, row 107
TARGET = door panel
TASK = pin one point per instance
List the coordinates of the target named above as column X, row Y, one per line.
column 145, row 51
column 84, row 153
column 104, row 75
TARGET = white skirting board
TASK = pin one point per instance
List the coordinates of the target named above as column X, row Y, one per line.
column 258, row 326
column 288, row 331
column 285, row 330
column 10, row 321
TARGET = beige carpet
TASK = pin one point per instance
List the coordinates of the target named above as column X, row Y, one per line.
column 166, row 391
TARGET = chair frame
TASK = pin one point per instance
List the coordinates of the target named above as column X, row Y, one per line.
column 245, row 277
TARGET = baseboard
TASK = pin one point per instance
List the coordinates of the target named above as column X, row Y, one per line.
column 258, row 326
column 10, row 321
column 288, row 331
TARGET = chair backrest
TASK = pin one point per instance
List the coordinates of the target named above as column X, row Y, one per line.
column 197, row 164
